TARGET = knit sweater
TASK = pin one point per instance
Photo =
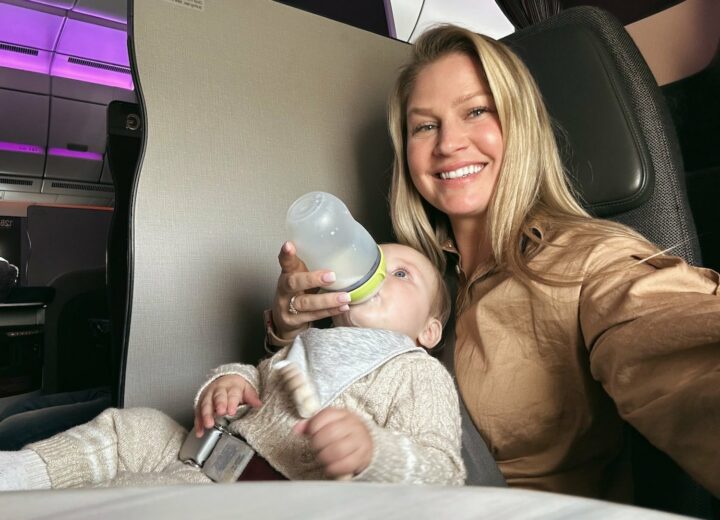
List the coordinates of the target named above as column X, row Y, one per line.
column 408, row 402
column 409, row 405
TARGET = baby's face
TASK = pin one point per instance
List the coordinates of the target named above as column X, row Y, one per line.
column 403, row 302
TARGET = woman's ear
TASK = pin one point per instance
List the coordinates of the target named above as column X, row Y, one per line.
column 431, row 334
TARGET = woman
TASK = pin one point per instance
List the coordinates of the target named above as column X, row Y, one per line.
column 566, row 325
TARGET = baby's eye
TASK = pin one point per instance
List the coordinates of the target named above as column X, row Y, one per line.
column 400, row 273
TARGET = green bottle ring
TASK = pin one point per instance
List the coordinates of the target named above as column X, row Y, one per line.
column 371, row 286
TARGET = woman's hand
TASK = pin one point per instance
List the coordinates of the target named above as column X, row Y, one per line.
column 340, row 440
column 298, row 285
column 222, row 397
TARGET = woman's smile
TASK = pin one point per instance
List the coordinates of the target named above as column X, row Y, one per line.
column 461, row 172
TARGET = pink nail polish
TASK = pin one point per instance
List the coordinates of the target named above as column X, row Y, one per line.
column 328, row 277
column 344, row 298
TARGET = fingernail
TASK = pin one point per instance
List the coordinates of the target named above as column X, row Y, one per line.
column 345, row 308
column 286, row 247
column 328, row 277
column 343, row 298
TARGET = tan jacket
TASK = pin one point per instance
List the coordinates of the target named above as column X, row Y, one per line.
column 548, row 376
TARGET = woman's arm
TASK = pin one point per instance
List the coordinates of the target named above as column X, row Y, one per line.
column 652, row 328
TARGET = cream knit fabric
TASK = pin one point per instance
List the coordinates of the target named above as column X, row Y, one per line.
column 131, row 447
column 409, row 404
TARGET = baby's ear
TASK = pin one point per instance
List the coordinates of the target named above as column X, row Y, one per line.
column 431, row 334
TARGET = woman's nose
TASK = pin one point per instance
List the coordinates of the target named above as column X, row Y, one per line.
column 451, row 138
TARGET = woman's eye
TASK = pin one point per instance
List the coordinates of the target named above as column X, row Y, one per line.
column 478, row 111
column 400, row 273
column 425, row 127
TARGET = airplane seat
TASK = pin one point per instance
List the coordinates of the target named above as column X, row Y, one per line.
column 76, row 339
column 621, row 151
column 614, row 128
column 266, row 102
column 76, row 373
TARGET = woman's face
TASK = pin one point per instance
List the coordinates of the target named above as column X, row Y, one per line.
column 454, row 141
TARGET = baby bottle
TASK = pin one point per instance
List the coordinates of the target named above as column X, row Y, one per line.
column 328, row 237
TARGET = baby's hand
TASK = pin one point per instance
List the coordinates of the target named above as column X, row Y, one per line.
column 222, row 397
column 340, row 440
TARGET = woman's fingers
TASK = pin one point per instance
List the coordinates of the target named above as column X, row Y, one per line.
column 319, row 302
column 288, row 259
column 297, row 302
column 295, row 277
column 293, row 283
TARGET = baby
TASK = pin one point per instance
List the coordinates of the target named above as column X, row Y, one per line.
column 389, row 412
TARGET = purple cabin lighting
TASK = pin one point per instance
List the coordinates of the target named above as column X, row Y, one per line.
column 52, row 44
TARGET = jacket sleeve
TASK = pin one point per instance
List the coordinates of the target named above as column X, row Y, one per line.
column 652, row 327
column 420, row 441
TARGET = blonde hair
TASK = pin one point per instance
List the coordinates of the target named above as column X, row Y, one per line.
column 531, row 184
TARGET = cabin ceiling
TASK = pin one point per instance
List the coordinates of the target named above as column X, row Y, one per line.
column 61, row 63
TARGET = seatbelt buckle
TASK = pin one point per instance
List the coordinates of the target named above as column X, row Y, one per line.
column 219, row 454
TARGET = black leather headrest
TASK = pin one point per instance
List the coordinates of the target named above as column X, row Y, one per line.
column 598, row 132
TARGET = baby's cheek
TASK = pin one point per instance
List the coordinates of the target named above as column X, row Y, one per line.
column 362, row 316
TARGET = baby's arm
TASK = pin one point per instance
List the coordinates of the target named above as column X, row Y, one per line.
column 340, row 440
column 421, row 439
column 228, row 387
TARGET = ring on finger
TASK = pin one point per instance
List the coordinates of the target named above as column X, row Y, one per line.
column 291, row 305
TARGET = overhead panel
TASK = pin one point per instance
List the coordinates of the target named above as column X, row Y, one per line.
column 90, row 92
column 27, row 38
column 108, row 9
column 15, row 21
column 25, row 81
column 101, row 195
column 76, row 143
column 95, row 42
column 10, row 183
column 23, row 132
column 62, row 4
column 61, row 63
column 92, row 53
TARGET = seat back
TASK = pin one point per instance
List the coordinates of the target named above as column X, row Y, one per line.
column 614, row 130
column 248, row 106
column 77, row 337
